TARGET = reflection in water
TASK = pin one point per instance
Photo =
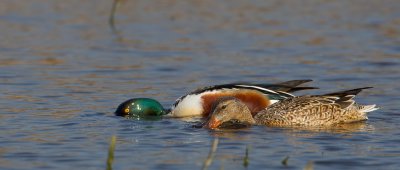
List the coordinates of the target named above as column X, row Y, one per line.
column 237, row 131
column 211, row 154
column 339, row 128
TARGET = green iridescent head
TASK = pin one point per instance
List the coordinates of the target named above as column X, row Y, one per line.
column 140, row 108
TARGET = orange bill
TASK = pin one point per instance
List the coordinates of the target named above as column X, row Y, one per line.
column 213, row 123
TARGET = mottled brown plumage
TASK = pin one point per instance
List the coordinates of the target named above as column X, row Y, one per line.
column 303, row 111
column 311, row 111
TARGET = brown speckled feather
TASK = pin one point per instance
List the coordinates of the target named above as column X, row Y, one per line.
column 311, row 111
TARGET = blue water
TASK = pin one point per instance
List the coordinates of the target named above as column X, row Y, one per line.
column 63, row 72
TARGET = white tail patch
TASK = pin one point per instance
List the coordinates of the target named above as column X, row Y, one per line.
column 368, row 108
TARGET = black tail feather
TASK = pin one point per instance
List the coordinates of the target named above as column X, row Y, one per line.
column 294, row 83
column 291, row 86
column 287, row 86
column 347, row 92
column 294, row 89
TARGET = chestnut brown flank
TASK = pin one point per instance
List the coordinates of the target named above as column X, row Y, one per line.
column 256, row 101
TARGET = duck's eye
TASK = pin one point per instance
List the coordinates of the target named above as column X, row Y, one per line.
column 223, row 107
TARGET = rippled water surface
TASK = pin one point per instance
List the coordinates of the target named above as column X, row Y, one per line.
column 63, row 72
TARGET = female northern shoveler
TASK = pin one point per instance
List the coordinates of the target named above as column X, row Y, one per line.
column 255, row 96
column 303, row 111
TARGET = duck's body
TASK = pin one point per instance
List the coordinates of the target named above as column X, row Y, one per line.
column 303, row 111
column 201, row 104
column 312, row 111
column 256, row 97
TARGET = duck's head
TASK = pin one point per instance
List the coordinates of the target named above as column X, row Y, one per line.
column 140, row 108
column 229, row 110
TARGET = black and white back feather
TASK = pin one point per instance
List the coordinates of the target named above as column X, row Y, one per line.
column 278, row 91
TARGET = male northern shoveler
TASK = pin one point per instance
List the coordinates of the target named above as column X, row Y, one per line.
column 304, row 111
column 199, row 102
column 255, row 96
column 140, row 108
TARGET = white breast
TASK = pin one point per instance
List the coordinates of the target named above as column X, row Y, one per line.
column 191, row 105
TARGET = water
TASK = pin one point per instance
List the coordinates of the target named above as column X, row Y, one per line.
column 63, row 73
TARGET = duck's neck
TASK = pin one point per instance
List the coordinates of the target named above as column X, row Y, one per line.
column 244, row 115
column 249, row 120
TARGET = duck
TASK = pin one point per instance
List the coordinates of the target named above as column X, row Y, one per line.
column 301, row 111
column 255, row 96
column 199, row 102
